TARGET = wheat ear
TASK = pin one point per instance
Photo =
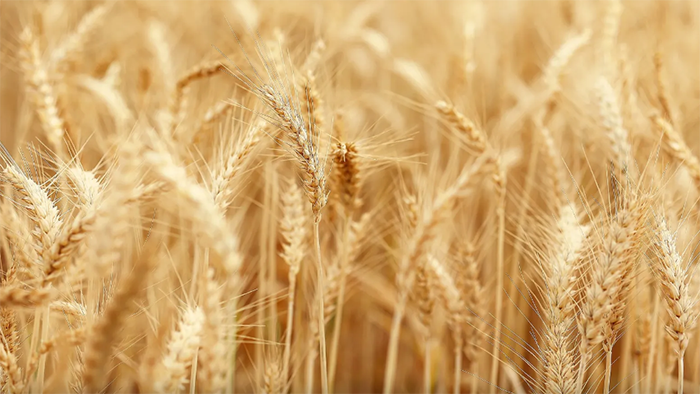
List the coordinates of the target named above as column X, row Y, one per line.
column 674, row 280
column 182, row 349
column 418, row 244
column 294, row 232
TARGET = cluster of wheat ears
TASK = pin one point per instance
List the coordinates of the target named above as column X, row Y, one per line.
column 341, row 196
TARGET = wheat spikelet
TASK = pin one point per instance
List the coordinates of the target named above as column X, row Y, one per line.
column 12, row 374
column 208, row 219
column 475, row 138
column 112, row 226
column 677, row 148
column 222, row 185
column 294, row 231
column 560, row 277
column 422, row 236
column 662, row 95
column 212, row 358
column 552, row 72
column 347, row 174
column 98, row 349
column 16, row 296
column 75, row 41
column 605, row 294
column 314, row 57
column 182, row 348
column 40, row 208
column 214, row 113
column 273, row 378
column 177, row 101
column 612, row 123
column 674, row 280
column 45, row 98
column 304, row 147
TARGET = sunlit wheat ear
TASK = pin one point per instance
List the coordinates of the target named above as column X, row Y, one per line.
column 39, row 206
column 560, row 272
column 182, row 349
column 612, row 266
column 347, row 174
column 675, row 145
column 302, row 137
column 12, row 373
column 422, row 237
column 611, row 120
column 554, row 68
column 273, row 380
column 178, row 101
column 293, row 228
column 212, row 359
column 208, row 219
column 42, row 91
column 88, row 190
column 674, row 281
column 98, row 350
column 222, row 185
column 662, row 89
column 70, row 46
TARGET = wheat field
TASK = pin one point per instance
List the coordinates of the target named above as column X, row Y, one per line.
column 332, row 196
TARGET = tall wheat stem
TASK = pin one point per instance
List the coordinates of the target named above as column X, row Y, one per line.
column 321, row 314
column 390, row 371
column 680, row 373
column 581, row 372
column 339, row 307
column 608, row 370
column 290, row 326
column 426, row 365
column 499, row 289
column 458, row 364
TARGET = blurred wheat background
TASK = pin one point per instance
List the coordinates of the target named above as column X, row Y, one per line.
column 341, row 196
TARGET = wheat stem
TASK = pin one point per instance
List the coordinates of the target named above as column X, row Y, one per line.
column 458, row 364
column 426, row 365
column 390, row 371
column 290, row 324
column 608, row 370
column 335, row 341
column 321, row 313
column 499, row 283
